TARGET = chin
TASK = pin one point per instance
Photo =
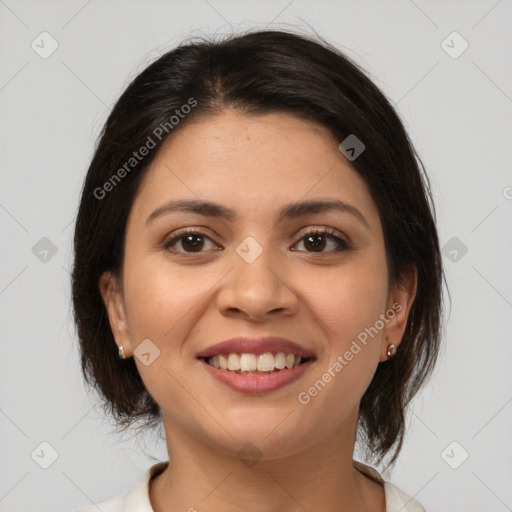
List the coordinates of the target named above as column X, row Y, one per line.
column 270, row 436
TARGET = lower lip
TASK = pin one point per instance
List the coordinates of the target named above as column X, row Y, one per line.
column 257, row 384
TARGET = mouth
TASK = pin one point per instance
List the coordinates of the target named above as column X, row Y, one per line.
column 256, row 365
column 267, row 363
column 256, row 374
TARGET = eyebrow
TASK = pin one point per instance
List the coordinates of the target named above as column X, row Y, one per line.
column 289, row 211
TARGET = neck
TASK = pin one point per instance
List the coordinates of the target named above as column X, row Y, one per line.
column 202, row 478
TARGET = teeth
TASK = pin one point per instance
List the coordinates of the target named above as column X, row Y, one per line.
column 233, row 362
column 280, row 360
column 247, row 362
column 222, row 361
column 252, row 363
column 266, row 362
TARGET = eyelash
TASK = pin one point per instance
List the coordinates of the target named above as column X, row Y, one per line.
column 342, row 245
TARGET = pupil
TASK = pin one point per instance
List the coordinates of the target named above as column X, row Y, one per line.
column 196, row 245
column 317, row 246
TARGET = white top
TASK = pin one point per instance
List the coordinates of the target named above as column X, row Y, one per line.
column 136, row 499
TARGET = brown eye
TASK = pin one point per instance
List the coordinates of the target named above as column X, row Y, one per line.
column 317, row 242
column 318, row 239
column 195, row 242
column 189, row 241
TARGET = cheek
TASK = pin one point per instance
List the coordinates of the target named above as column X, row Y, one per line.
column 160, row 306
column 349, row 311
column 156, row 295
column 349, row 306
column 350, row 299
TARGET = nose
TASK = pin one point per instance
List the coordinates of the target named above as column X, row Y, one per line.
column 254, row 290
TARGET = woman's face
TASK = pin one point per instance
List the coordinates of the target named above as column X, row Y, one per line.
column 255, row 274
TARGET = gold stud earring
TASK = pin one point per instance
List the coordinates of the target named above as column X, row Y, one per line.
column 391, row 351
column 121, row 352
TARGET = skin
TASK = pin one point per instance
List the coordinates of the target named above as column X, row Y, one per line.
column 185, row 301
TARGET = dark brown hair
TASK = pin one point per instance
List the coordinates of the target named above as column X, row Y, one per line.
column 260, row 72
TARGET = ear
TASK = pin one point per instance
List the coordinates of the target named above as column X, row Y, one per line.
column 400, row 299
column 112, row 296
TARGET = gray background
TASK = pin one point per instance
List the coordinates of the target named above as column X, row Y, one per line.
column 458, row 114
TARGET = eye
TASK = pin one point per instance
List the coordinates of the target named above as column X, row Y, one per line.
column 189, row 239
column 193, row 241
column 318, row 238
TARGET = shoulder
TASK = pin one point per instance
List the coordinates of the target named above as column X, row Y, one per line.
column 136, row 499
column 396, row 499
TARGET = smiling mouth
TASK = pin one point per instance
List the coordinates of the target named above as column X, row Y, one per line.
column 255, row 364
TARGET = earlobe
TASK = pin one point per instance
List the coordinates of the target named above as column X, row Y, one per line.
column 112, row 296
column 400, row 301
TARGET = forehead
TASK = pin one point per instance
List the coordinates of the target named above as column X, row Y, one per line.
column 252, row 163
column 231, row 136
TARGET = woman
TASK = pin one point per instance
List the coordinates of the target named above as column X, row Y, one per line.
column 257, row 267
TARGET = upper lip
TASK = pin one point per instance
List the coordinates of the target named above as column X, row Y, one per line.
column 256, row 346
